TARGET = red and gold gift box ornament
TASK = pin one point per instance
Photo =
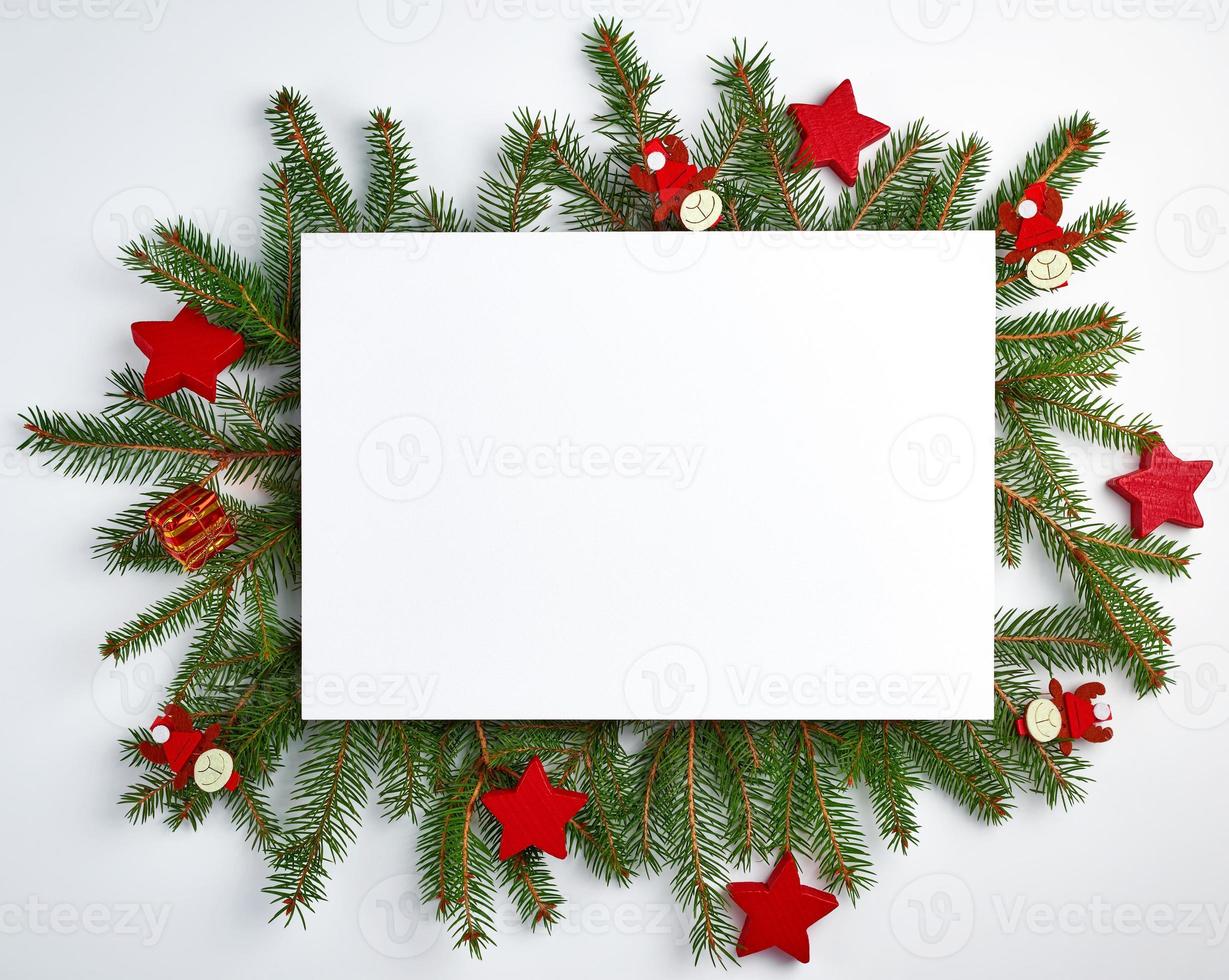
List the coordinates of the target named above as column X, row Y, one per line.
column 192, row 526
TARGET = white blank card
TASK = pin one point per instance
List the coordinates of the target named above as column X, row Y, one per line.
column 656, row 475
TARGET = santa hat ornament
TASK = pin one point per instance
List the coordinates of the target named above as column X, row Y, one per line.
column 177, row 744
column 1083, row 713
column 680, row 186
column 1038, row 227
column 1067, row 716
column 1040, row 241
column 188, row 752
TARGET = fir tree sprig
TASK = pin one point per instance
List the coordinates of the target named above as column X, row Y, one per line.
column 761, row 159
column 516, row 197
column 627, row 87
column 901, row 170
column 948, row 196
column 330, row 792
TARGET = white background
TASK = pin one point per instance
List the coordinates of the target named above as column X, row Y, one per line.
column 110, row 111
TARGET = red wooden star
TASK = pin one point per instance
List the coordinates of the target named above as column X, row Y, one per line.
column 835, row 132
column 187, row 352
column 1162, row 489
column 780, row 912
column 534, row 814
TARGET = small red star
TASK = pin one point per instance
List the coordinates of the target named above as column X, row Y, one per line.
column 534, row 814
column 187, row 352
column 1162, row 489
column 835, row 132
column 780, row 912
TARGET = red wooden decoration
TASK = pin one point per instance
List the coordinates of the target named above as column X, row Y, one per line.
column 179, row 745
column 670, row 174
column 192, row 526
column 780, row 912
column 187, row 352
column 1033, row 220
column 1075, row 713
column 534, row 814
column 835, row 132
column 1162, row 490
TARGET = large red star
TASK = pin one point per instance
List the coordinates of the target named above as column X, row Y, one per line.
column 1162, row 489
column 835, row 132
column 780, row 912
column 187, row 352
column 534, row 814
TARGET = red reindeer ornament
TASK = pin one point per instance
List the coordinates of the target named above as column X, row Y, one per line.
column 189, row 752
column 1067, row 716
column 681, row 187
column 1040, row 240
